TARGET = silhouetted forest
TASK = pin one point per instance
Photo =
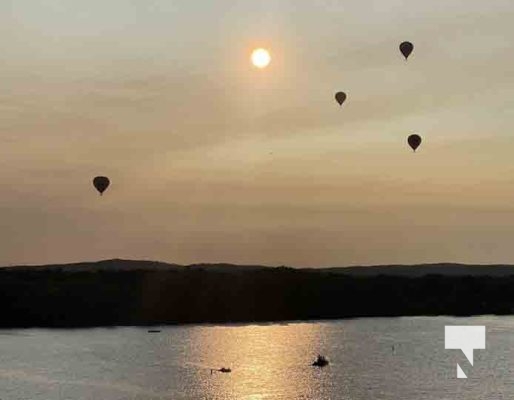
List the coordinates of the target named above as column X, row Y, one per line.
column 167, row 294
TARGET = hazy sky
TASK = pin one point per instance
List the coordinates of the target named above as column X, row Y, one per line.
column 213, row 160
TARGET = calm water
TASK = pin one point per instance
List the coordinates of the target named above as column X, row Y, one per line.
column 268, row 362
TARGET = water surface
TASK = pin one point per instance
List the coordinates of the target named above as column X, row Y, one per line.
column 390, row 358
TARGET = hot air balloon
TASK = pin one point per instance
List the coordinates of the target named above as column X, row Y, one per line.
column 414, row 141
column 101, row 183
column 340, row 97
column 406, row 48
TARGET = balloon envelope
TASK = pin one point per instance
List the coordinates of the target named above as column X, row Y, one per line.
column 101, row 183
column 414, row 141
column 406, row 49
column 340, row 97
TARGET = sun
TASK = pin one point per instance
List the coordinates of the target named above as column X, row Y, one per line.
column 261, row 58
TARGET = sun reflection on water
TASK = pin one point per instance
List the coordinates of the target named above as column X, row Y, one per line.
column 266, row 361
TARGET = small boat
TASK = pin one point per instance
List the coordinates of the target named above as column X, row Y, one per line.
column 223, row 370
column 321, row 361
column 153, row 330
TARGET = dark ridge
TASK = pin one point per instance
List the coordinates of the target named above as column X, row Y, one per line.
column 447, row 269
column 126, row 292
column 451, row 269
column 103, row 265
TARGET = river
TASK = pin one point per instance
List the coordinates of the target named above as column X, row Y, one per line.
column 370, row 358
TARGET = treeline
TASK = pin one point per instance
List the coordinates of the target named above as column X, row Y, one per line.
column 59, row 298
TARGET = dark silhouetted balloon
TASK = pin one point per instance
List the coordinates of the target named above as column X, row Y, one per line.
column 406, row 48
column 101, row 183
column 414, row 141
column 340, row 97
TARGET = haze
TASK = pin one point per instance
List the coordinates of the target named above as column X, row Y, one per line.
column 212, row 160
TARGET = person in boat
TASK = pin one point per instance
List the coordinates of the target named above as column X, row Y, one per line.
column 321, row 361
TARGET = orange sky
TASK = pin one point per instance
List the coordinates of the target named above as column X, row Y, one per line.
column 212, row 160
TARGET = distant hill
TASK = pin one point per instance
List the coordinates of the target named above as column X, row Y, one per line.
column 446, row 269
column 104, row 265
column 129, row 265
column 128, row 292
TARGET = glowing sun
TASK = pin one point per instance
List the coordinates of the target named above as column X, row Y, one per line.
column 261, row 58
